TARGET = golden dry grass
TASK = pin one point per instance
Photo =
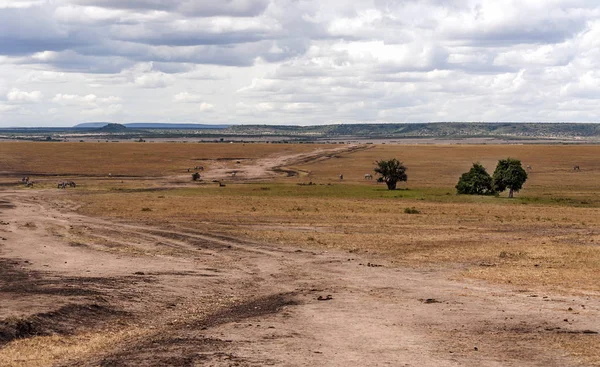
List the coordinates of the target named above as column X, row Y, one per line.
column 41, row 351
column 547, row 238
column 47, row 350
column 552, row 224
column 496, row 240
column 128, row 159
column 442, row 165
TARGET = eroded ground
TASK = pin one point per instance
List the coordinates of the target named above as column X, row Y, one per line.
column 82, row 285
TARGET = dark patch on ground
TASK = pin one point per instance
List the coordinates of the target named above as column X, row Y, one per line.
column 6, row 205
column 16, row 279
column 220, row 159
column 178, row 273
column 65, row 321
column 216, row 236
column 78, row 244
column 287, row 172
column 183, row 343
column 65, row 174
column 259, row 307
column 196, row 242
column 153, row 189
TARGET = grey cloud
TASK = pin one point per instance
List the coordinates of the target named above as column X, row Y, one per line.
column 166, row 35
column 130, row 4
column 312, row 61
column 29, row 30
column 541, row 33
column 235, row 8
column 73, row 62
column 194, row 8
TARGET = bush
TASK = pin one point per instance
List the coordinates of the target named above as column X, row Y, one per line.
column 412, row 210
column 476, row 182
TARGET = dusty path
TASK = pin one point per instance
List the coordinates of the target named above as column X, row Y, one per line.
column 270, row 167
column 212, row 300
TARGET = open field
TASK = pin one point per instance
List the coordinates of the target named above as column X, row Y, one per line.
column 131, row 159
column 170, row 272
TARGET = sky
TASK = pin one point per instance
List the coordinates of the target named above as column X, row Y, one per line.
column 303, row 62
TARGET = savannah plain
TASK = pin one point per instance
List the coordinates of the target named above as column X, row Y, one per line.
column 283, row 263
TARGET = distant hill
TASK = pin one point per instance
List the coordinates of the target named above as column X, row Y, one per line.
column 446, row 130
column 91, row 125
column 151, row 125
column 112, row 128
column 161, row 125
column 515, row 131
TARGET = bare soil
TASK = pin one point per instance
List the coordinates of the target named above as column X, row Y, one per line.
column 203, row 298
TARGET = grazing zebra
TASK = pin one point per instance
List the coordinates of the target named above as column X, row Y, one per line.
column 576, row 168
column 368, row 176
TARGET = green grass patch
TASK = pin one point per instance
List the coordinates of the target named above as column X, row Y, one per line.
column 370, row 192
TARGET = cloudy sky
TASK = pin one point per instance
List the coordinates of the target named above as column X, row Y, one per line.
column 298, row 61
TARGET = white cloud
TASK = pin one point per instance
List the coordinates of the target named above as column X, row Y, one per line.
column 205, row 107
column 197, row 100
column 110, row 110
column 20, row 3
column 74, row 99
column 88, row 101
column 288, row 61
column 7, row 108
column 19, row 96
column 153, row 80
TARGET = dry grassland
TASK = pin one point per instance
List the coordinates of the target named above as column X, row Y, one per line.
column 440, row 166
column 548, row 236
column 70, row 350
column 129, row 159
column 546, row 239
column 496, row 240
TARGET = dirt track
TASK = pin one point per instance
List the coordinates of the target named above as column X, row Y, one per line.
column 213, row 300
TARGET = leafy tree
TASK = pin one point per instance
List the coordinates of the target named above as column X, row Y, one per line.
column 475, row 182
column 391, row 172
column 509, row 174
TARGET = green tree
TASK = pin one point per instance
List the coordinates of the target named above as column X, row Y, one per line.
column 509, row 174
column 391, row 172
column 475, row 182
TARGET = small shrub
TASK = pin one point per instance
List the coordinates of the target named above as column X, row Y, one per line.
column 412, row 210
column 146, row 209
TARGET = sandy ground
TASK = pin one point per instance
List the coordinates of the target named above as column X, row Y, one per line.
column 270, row 167
column 268, row 305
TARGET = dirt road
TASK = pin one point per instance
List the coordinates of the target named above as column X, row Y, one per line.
column 211, row 300
column 130, row 294
column 270, row 167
